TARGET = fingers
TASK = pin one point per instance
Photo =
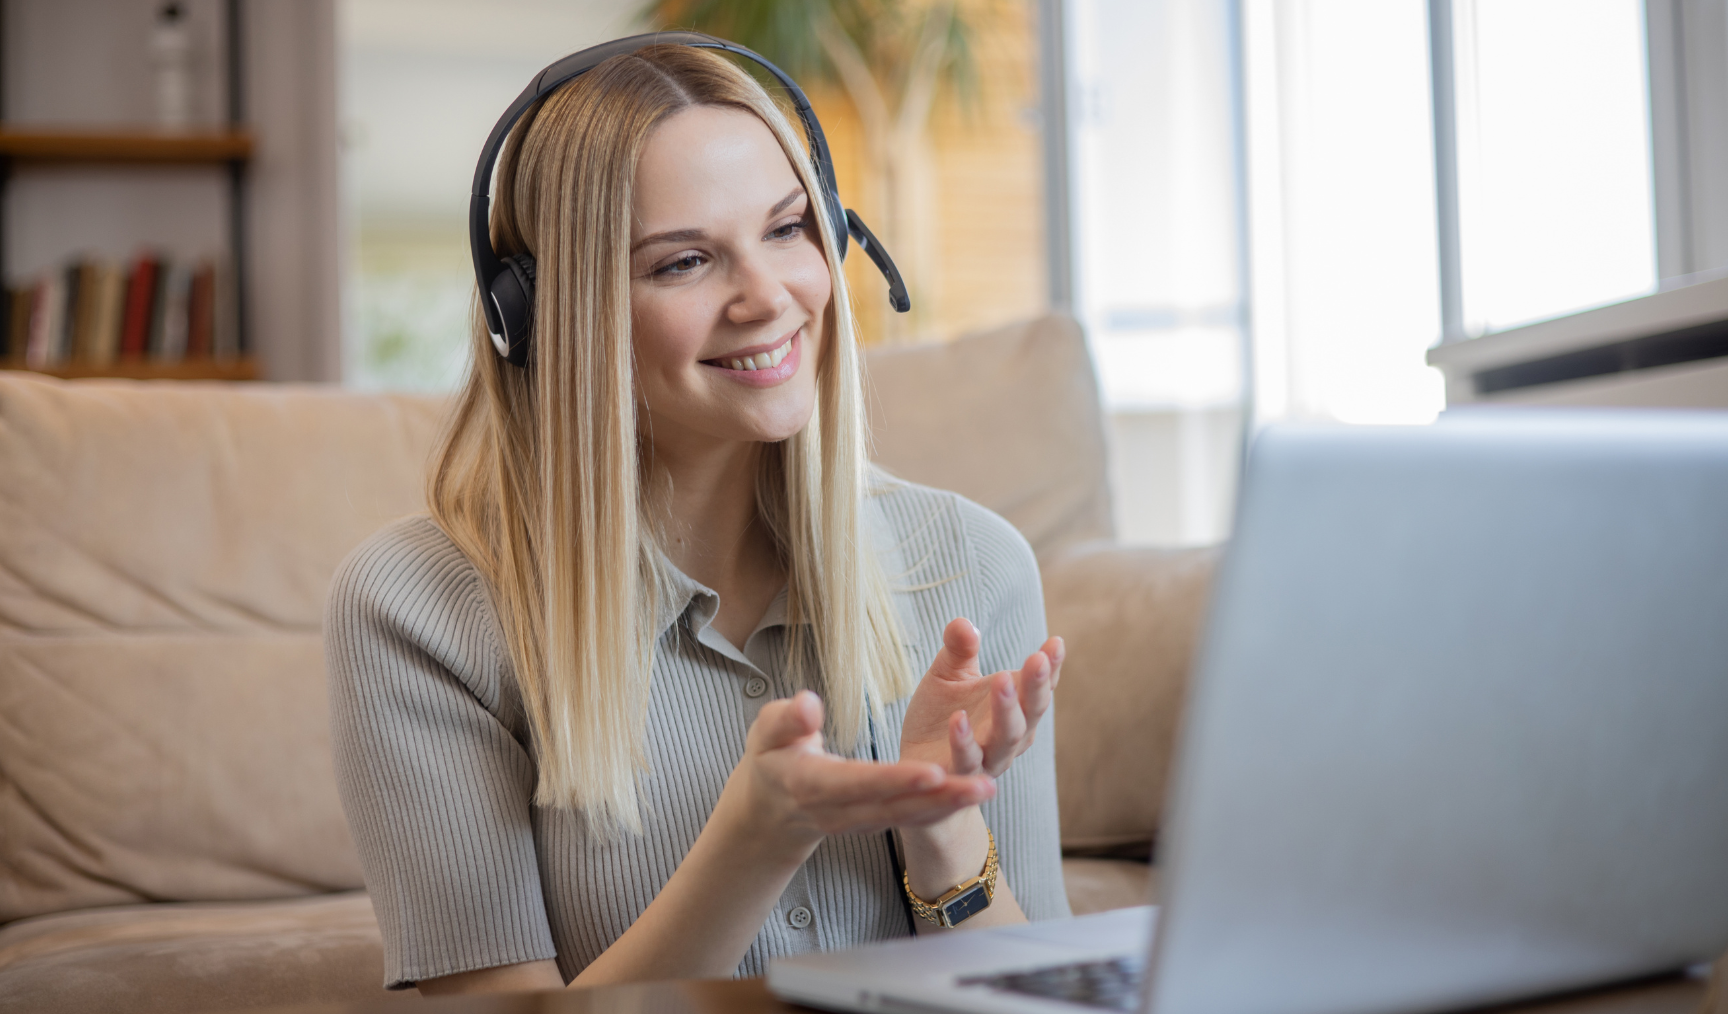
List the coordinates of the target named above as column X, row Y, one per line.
column 783, row 723
column 958, row 659
column 1036, row 683
column 841, row 796
column 1007, row 724
column 967, row 756
column 827, row 780
column 910, row 811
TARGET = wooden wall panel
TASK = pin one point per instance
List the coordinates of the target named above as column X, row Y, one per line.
column 986, row 179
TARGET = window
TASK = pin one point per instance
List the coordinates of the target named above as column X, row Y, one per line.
column 1555, row 209
column 422, row 83
column 1158, row 267
column 1409, row 170
column 1341, row 171
column 1583, row 197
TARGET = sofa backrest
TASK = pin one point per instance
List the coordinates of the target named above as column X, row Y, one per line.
column 1132, row 617
column 165, row 551
column 1008, row 417
column 164, row 555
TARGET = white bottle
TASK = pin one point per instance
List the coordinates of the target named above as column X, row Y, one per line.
column 171, row 49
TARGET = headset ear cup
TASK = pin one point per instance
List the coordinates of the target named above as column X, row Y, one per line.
column 523, row 265
column 513, row 296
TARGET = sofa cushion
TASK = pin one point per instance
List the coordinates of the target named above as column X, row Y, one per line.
column 145, row 959
column 168, row 767
column 1009, row 418
column 157, row 506
column 165, row 551
column 1130, row 617
column 1099, row 885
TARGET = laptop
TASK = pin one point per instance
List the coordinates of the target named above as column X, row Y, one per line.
column 1458, row 736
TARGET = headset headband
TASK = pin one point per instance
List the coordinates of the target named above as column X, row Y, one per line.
column 512, row 342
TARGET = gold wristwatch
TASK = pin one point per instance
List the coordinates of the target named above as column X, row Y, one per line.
column 962, row 902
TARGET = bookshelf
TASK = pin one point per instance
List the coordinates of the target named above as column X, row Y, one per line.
column 123, row 146
column 144, row 369
column 230, row 148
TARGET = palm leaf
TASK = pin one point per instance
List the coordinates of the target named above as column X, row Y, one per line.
column 784, row 31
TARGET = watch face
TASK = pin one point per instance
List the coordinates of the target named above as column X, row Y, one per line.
column 967, row 905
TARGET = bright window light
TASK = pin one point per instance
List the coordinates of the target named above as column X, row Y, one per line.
column 1158, row 269
column 1157, row 274
column 1341, row 174
column 1554, row 157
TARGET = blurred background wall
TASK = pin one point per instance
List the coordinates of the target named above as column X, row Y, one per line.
column 424, row 80
column 422, row 83
column 1259, row 209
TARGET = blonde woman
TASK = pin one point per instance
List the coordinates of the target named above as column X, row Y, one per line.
column 638, row 700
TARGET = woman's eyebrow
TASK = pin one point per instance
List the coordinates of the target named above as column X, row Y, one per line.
column 686, row 235
column 675, row 236
column 786, row 202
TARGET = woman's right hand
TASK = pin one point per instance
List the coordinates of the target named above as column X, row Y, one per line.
column 787, row 792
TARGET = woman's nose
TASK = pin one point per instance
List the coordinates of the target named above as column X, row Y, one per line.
column 761, row 295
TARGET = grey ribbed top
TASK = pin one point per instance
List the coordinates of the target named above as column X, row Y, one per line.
column 437, row 775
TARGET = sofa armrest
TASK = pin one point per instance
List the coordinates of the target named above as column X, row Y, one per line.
column 1131, row 619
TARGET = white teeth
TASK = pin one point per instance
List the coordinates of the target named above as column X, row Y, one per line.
column 759, row 361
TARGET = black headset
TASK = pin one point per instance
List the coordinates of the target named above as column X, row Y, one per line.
column 507, row 284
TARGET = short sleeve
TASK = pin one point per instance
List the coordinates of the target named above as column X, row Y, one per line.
column 436, row 787
column 1023, row 816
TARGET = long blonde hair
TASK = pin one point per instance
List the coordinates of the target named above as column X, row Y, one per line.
column 542, row 473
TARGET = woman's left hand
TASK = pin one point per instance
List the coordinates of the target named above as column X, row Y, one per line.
column 969, row 723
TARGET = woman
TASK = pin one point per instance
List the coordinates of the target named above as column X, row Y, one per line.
column 608, row 713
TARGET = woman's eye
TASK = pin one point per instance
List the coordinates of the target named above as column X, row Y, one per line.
column 682, row 266
column 788, row 231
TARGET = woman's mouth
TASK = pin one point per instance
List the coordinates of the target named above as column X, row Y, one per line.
column 761, row 367
column 759, row 361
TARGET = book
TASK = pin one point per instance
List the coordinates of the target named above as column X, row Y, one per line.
column 47, row 307
column 225, row 341
column 85, row 310
column 92, row 312
column 110, row 305
column 158, row 308
column 18, row 327
column 22, row 298
column 201, row 315
column 65, row 333
column 177, row 294
column 140, row 296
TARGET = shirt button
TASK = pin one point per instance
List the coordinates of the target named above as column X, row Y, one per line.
column 756, row 686
column 799, row 917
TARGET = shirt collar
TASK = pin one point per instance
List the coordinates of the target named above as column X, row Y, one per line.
column 679, row 592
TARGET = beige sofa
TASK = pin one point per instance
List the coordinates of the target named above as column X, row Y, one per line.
column 170, row 836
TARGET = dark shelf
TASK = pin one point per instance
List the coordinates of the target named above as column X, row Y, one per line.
column 244, row 368
column 98, row 146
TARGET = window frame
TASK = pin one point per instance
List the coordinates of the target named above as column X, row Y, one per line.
column 1687, row 60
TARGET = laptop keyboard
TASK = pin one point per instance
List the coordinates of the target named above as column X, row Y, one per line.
column 1112, row 984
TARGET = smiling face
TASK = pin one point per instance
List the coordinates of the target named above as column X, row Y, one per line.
column 729, row 287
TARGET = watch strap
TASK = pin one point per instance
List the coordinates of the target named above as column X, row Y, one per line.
column 964, row 900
